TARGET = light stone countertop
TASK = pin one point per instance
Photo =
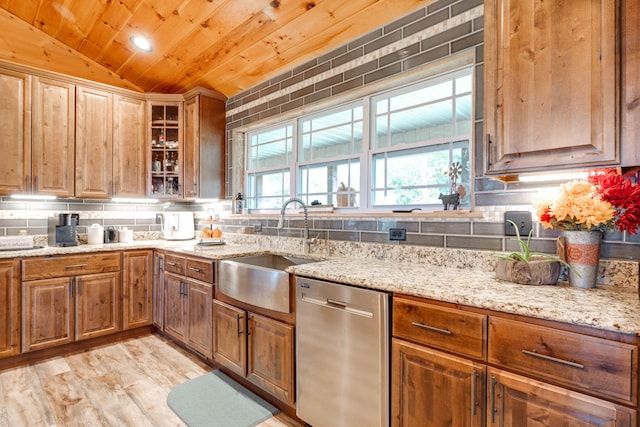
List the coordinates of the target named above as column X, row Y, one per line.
column 604, row 308
column 607, row 308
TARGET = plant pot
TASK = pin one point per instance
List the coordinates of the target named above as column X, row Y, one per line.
column 528, row 273
column 582, row 252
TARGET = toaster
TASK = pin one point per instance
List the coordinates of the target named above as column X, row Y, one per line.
column 179, row 226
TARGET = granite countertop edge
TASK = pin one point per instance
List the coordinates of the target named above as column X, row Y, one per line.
column 605, row 308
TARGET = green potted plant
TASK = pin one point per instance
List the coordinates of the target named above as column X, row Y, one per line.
column 527, row 267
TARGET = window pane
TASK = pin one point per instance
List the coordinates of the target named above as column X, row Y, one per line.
column 417, row 176
column 267, row 189
column 463, row 84
column 332, row 135
column 334, row 183
column 422, row 124
column 463, row 115
column 272, row 148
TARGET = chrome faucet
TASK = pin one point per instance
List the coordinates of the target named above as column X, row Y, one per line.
column 307, row 241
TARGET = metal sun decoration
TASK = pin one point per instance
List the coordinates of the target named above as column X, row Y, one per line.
column 458, row 192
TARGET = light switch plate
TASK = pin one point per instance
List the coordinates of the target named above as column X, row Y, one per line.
column 523, row 221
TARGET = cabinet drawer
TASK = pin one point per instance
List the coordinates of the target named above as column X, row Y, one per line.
column 73, row 265
column 200, row 269
column 445, row 328
column 589, row 364
column 175, row 264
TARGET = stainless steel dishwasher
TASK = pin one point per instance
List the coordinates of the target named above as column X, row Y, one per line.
column 342, row 355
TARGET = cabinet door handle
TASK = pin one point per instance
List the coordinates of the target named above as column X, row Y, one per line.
column 238, row 319
column 75, row 266
column 195, row 186
column 35, row 184
column 553, row 359
column 493, row 399
column 27, row 181
column 488, row 137
column 79, row 287
column 432, row 328
column 474, row 401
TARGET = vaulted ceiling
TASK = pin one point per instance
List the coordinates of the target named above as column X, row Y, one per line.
column 222, row 45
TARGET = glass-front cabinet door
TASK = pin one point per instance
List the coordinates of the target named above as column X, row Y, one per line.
column 166, row 150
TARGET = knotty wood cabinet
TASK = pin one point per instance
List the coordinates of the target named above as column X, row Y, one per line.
column 94, row 142
column 467, row 367
column 158, row 290
column 130, row 163
column 37, row 135
column 256, row 347
column 110, row 153
column 630, row 87
column 550, row 85
column 9, row 308
column 52, row 138
column 138, row 288
column 187, row 301
column 519, row 401
column 429, row 386
column 69, row 298
column 204, row 152
column 433, row 388
column 15, row 132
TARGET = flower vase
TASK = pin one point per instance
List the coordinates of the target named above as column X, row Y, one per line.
column 582, row 253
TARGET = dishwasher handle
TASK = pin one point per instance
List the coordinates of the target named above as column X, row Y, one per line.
column 336, row 303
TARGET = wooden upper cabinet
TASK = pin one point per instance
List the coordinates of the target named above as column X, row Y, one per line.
column 204, row 155
column 94, row 144
column 15, row 131
column 550, row 84
column 129, row 148
column 630, row 94
column 52, row 138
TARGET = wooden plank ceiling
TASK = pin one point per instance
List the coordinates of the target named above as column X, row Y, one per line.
column 222, row 45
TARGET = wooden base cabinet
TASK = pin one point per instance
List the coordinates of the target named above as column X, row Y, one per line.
column 9, row 308
column 256, row 347
column 432, row 388
column 187, row 302
column 158, row 290
column 515, row 400
column 138, row 284
column 70, row 298
column 62, row 310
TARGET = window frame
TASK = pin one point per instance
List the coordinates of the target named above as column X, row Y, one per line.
column 367, row 152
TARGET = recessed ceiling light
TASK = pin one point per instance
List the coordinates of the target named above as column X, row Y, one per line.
column 142, row 43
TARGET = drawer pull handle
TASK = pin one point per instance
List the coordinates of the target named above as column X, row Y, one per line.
column 75, row 266
column 432, row 328
column 196, row 269
column 553, row 359
column 173, row 264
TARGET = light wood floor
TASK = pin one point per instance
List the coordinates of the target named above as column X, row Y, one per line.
column 123, row 384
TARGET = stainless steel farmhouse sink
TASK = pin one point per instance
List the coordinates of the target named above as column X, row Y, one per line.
column 259, row 280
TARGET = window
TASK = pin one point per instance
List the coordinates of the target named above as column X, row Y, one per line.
column 416, row 134
column 269, row 158
column 419, row 132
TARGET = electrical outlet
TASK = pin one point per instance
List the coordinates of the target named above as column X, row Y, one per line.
column 397, row 234
column 158, row 218
column 522, row 220
column 257, row 228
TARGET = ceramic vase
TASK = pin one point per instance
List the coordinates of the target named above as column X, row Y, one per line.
column 582, row 253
